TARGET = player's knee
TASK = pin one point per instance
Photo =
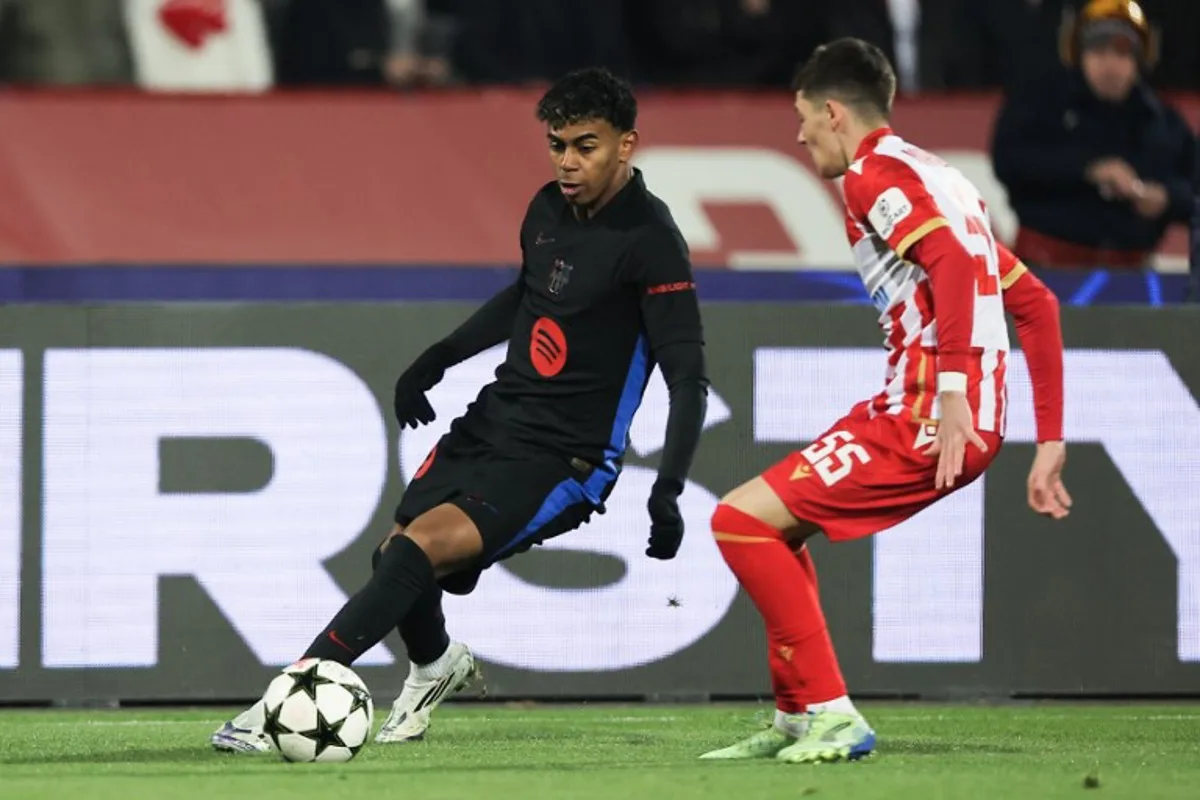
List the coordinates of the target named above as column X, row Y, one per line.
column 759, row 516
column 758, row 501
column 377, row 554
column 730, row 524
column 447, row 537
column 741, row 497
column 721, row 516
column 729, row 514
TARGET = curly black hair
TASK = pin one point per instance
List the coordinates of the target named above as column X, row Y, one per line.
column 589, row 94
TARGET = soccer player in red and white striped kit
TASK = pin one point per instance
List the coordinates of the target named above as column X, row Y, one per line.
column 923, row 244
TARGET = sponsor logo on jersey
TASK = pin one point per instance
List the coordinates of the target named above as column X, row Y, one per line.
column 548, row 347
column 890, row 209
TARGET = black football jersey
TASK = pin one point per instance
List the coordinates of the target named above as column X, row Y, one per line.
column 598, row 298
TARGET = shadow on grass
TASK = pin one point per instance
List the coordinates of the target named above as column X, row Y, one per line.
column 935, row 747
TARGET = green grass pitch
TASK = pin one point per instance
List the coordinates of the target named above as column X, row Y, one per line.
column 495, row 752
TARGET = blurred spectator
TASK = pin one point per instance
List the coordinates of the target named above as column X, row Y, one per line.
column 1195, row 250
column 356, row 42
column 64, row 42
column 420, row 45
column 917, row 36
column 1004, row 43
column 1096, row 165
column 323, row 43
column 514, row 41
column 723, row 42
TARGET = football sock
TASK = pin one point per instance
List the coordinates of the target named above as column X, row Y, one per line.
column 424, row 629
column 841, row 705
column 432, row 670
column 789, row 723
column 804, row 668
column 403, row 575
column 786, row 685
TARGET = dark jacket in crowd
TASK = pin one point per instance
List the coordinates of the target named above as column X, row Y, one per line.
column 511, row 41
column 871, row 20
column 1002, row 43
column 1195, row 252
column 318, row 43
column 1047, row 136
column 719, row 42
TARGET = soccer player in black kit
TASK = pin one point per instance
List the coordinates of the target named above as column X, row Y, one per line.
column 605, row 294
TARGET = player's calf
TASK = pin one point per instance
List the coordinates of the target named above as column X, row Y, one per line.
column 761, row 541
column 803, row 664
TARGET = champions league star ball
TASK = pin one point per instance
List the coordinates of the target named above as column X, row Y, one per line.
column 318, row 711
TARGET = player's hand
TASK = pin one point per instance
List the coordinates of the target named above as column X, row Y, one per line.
column 955, row 431
column 666, row 524
column 1047, row 495
column 411, row 405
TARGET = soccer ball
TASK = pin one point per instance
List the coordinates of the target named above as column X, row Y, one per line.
column 318, row 711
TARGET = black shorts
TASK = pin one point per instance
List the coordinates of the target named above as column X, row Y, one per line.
column 515, row 499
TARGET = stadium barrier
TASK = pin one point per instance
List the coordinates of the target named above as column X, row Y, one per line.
column 188, row 492
column 353, row 178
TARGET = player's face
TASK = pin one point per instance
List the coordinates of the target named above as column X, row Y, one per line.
column 1110, row 70
column 590, row 158
column 818, row 132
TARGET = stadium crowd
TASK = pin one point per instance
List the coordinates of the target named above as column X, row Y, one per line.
column 935, row 44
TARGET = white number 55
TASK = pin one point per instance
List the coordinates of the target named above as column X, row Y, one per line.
column 833, row 456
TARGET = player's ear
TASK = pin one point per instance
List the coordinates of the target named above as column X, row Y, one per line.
column 838, row 113
column 628, row 144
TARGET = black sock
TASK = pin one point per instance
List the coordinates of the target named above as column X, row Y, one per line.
column 424, row 629
column 402, row 576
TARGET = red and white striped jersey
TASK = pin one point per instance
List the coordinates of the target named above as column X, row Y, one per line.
column 896, row 194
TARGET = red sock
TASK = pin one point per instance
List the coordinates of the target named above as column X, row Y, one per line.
column 783, row 586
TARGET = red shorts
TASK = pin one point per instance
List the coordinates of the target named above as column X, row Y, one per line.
column 865, row 475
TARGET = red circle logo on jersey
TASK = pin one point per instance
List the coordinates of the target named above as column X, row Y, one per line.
column 547, row 347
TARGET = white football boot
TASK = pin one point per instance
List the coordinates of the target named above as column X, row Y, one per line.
column 244, row 733
column 424, row 690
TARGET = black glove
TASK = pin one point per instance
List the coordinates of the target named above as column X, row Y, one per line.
column 412, row 407
column 666, row 525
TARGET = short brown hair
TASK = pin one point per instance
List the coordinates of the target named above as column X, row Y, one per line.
column 851, row 71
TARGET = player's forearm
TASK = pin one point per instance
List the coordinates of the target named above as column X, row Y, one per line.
column 1035, row 310
column 951, row 273
column 489, row 326
column 683, row 368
